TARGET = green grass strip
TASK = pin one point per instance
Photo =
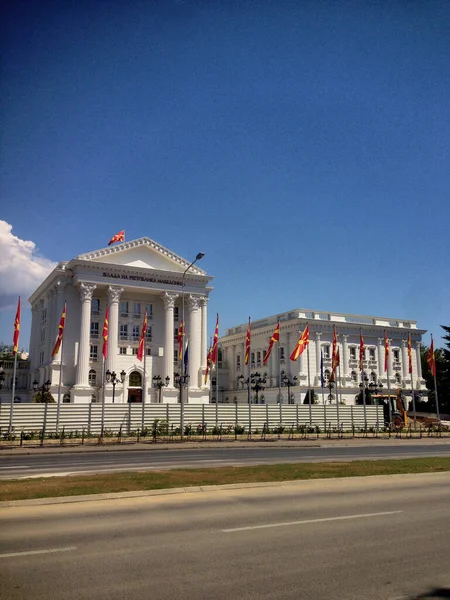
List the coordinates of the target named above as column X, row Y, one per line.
column 22, row 489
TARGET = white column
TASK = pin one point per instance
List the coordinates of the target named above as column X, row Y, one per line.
column 418, row 360
column 404, row 360
column 34, row 338
column 344, row 356
column 82, row 374
column 204, row 333
column 169, row 302
column 113, row 293
column 232, row 367
column 193, row 305
column 287, row 353
column 317, row 373
column 50, row 326
column 381, row 358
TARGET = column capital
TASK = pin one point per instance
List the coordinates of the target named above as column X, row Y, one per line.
column 418, row 345
column 49, row 295
column 35, row 309
column 193, row 302
column 61, row 284
column 86, row 290
column 203, row 300
column 404, row 343
column 344, row 337
column 381, row 341
column 318, row 335
column 169, row 299
column 113, row 292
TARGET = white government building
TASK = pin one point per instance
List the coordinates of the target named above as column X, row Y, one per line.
column 129, row 278
column 140, row 275
column 280, row 369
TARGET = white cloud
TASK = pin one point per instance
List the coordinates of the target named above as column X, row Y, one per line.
column 21, row 268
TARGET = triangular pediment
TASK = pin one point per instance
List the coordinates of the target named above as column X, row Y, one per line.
column 144, row 253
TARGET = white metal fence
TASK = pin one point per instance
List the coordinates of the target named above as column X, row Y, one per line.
column 128, row 418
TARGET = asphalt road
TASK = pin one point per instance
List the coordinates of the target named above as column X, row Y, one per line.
column 59, row 464
column 379, row 538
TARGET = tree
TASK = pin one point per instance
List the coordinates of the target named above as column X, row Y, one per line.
column 442, row 358
column 313, row 397
column 46, row 399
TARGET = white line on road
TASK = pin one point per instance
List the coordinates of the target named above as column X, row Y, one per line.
column 21, row 467
column 392, row 512
column 27, row 553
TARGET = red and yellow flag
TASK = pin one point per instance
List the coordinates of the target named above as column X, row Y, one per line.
column 301, row 344
column 208, row 364
column 59, row 338
column 16, row 329
column 105, row 334
column 386, row 352
column 180, row 340
column 362, row 348
column 335, row 360
column 431, row 360
column 409, row 355
column 275, row 338
column 247, row 344
column 141, row 347
column 215, row 346
column 119, row 237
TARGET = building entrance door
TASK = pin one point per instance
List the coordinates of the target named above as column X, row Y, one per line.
column 134, row 395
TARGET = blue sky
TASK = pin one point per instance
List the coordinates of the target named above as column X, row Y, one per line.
column 303, row 146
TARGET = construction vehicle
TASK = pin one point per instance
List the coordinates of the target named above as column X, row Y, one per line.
column 394, row 408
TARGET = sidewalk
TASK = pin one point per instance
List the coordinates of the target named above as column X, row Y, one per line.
column 151, row 446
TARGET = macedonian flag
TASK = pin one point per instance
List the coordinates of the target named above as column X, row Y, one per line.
column 119, row 237
column 16, row 329
column 301, row 344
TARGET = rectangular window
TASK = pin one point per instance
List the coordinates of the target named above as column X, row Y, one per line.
column 42, row 335
column 148, row 334
column 396, row 356
column 176, row 312
column 94, row 352
column 44, row 314
column 124, row 332
column 95, row 306
column 352, row 353
column 326, row 351
column 149, row 309
column 372, row 353
column 238, row 361
column 175, row 356
column 136, row 332
column 281, row 353
column 176, row 333
column 252, row 359
column 136, row 309
column 258, row 358
column 94, row 329
column 124, row 309
column 122, row 350
column 135, row 351
column 148, row 351
column 41, row 357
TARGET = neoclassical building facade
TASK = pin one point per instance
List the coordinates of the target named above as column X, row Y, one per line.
column 128, row 279
column 279, row 368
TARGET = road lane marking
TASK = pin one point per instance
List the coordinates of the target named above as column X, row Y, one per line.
column 306, row 522
column 29, row 552
column 18, row 467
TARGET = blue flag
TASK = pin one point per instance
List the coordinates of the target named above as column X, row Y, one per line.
column 322, row 378
column 186, row 358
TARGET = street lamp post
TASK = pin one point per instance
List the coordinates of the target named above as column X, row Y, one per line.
column 199, row 256
column 221, row 391
column 286, row 381
column 114, row 379
column 258, row 383
column 364, row 387
column 2, row 379
column 181, row 381
column 159, row 383
column 330, row 386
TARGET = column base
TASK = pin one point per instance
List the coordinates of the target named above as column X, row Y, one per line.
column 82, row 394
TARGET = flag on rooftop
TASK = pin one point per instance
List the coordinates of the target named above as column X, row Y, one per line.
column 119, row 237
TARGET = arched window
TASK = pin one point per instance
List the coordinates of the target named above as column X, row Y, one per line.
column 94, row 398
column 373, row 377
column 354, row 376
column 135, row 379
column 326, row 375
column 66, row 398
column 398, row 378
column 92, row 377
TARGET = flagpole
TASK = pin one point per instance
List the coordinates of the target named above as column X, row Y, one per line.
column 279, row 381
column 309, row 386
column 58, row 407
column 249, row 389
column 144, row 396
column 435, row 382
column 103, row 396
column 217, row 389
column 11, row 412
column 388, row 379
column 322, row 385
column 361, row 365
column 412, row 382
column 337, row 395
